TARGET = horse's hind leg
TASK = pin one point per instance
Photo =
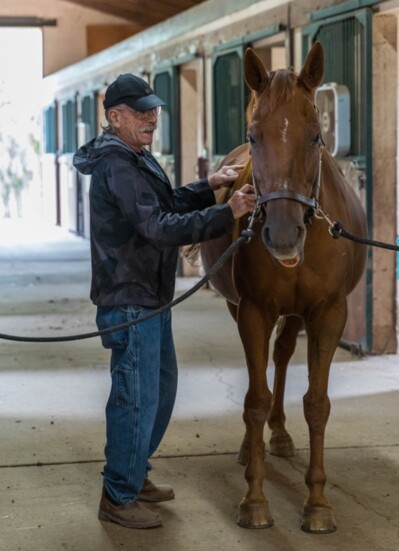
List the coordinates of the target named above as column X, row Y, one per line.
column 280, row 441
column 244, row 449
column 233, row 308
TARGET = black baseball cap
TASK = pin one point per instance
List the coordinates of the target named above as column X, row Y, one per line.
column 133, row 91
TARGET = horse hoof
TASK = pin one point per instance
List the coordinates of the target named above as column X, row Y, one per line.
column 318, row 520
column 282, row 445
column 254, row 515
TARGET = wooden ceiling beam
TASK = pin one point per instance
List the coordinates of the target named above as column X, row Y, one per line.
column 145, row 13
column 180, row 4
column 164, row 9
column 134, row 12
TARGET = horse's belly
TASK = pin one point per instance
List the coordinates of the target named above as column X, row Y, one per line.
column 222, row 280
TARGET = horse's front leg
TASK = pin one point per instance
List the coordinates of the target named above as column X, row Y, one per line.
column 324, row 331
column 255, row 330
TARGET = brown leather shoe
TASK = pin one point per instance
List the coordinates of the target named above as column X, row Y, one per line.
column 131, row 515
column 154, row 494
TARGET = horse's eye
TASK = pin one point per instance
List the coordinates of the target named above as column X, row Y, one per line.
column 251, row 140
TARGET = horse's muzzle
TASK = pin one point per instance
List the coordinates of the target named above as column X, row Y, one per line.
column 285, row 244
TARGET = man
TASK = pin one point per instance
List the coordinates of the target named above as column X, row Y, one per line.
column 137, row 224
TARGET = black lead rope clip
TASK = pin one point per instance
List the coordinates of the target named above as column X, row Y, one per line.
column 336, row 229
column 248, row 234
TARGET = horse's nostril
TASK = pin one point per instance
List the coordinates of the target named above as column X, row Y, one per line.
column 266, row 234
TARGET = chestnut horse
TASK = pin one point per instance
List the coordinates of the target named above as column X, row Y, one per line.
column 292, row 270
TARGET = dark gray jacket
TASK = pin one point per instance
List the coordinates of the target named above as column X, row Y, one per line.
column 137, row 223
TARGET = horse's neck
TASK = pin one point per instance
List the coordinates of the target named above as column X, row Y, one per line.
column 333, row 182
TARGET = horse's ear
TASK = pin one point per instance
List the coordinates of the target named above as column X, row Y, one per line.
column 311, row 74
column 255, row 73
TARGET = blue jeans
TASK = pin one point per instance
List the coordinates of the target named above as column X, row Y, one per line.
column 143, row 391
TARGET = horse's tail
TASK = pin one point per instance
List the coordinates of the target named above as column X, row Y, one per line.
column 191, row 253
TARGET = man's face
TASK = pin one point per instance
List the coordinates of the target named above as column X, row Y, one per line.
column 136, row 128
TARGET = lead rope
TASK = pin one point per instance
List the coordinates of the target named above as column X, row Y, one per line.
column 336, row 230
column 245, row 237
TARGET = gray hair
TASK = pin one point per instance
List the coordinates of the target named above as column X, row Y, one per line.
column 109, row 128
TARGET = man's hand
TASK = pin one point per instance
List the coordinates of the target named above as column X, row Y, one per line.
column 242, row 201
column 225, row 176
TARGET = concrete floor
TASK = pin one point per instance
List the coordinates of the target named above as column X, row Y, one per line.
column 52, row 398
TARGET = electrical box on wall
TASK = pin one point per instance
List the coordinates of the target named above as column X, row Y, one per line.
column 333, row 103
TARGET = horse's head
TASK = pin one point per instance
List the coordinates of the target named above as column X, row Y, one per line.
column 285, row 141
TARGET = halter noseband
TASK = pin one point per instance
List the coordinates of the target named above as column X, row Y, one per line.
column 312, row 202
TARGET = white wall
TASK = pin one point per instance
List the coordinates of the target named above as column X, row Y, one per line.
column 66, row 43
